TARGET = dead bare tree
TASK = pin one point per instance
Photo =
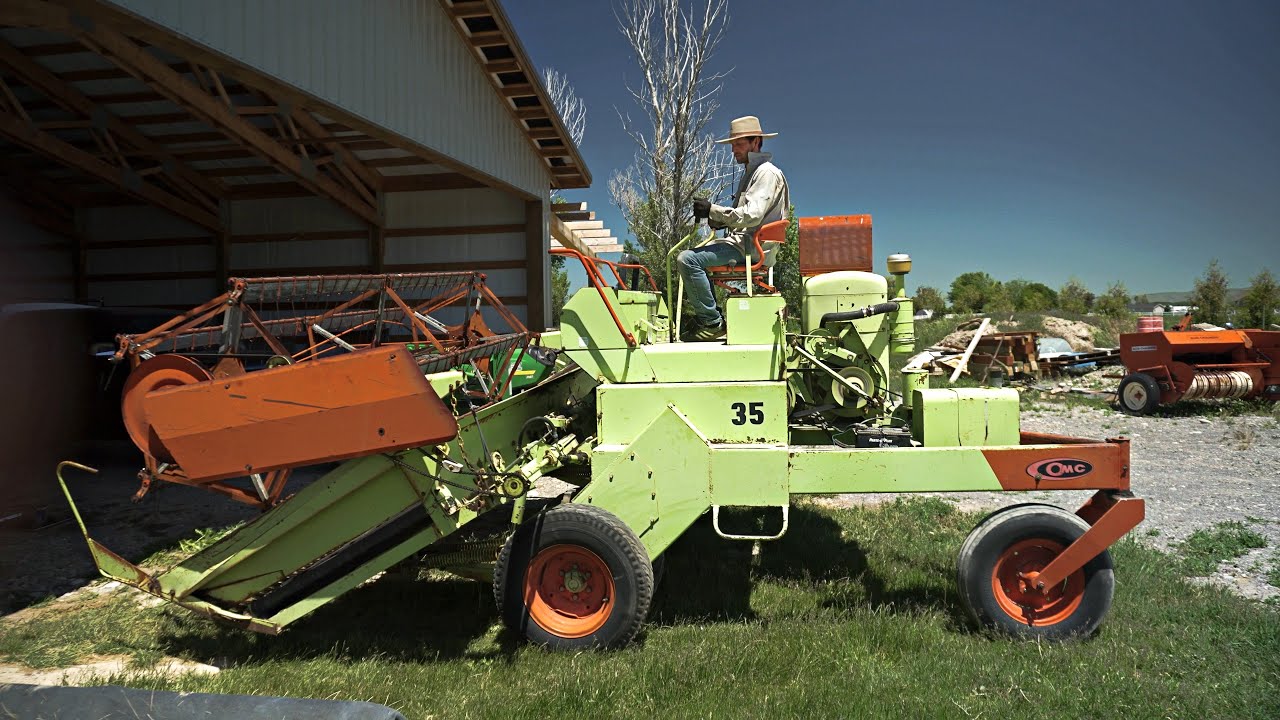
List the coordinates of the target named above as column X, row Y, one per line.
column 566, row 102
column 677, row 93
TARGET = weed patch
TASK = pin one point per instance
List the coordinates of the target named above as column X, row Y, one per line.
column 1204, row 550
column 1243, row 437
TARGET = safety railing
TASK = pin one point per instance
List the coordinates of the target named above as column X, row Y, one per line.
column 597, row 281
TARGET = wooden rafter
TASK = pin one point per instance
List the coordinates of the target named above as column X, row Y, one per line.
column 13, row 128
column 352, row 168
column 197, row 187
column 292, row 122
column 160, row 77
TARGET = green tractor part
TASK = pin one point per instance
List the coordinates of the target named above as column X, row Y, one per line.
column 565, row 493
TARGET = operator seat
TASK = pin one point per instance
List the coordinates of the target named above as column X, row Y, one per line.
column 828, row 243
column 753, row 272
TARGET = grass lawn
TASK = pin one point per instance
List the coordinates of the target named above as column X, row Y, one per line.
column 853, row 614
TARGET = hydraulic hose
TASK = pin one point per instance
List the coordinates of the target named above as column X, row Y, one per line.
column 868, row 311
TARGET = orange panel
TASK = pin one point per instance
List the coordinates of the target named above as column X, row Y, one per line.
column 1203, row 341
column 835, row 242
column 1070, row 466
column 365, row 402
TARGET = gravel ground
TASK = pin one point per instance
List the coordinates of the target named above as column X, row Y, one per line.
column 1194, row 472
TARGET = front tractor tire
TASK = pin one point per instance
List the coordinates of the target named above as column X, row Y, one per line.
column 1138, row 394
column 1009, row 543
column 572, row 578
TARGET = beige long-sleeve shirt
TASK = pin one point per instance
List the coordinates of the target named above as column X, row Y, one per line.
column 762, row 198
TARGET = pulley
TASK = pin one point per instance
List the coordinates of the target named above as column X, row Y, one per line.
column 156, row 373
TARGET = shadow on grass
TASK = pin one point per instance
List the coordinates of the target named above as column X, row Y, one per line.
column 397, row 618
column 706, row 578
column 815, row 552
column 710, row 578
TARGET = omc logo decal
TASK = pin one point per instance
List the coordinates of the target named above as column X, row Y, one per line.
column 1059, row 469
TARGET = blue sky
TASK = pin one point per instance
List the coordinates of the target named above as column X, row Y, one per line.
column 1132, row 141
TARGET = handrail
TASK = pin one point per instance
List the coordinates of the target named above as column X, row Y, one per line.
column 597, row 281
column 629, row 266
column 675, row 309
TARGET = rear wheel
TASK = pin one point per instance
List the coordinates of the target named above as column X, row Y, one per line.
column 1139, row 393
column 574, row 577
column 997, row 566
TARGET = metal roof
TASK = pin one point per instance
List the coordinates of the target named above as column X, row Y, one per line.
column 485, row 28
column 105, row 113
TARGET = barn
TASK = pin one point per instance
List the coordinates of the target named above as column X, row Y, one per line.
column 150, row 149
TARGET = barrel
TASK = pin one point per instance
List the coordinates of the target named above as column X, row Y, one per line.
column 1151, row 323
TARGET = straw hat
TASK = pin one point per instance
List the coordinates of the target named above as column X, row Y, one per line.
column 748, row 126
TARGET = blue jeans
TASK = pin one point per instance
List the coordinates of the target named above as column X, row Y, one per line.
column 693, row 266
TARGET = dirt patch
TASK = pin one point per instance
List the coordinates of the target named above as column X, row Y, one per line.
column 98, row 668
column 1079, row 335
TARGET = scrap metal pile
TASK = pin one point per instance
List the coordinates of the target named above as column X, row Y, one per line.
column 252, row 383
column 976, row 351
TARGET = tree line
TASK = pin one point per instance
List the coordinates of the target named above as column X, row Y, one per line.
column 978, row 292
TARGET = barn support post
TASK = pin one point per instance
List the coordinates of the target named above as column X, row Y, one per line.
column 537, row 273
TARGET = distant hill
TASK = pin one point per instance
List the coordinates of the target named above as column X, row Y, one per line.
column 1183, row 297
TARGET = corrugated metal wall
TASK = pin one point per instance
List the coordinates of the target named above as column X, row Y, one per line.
column 397, row 63
column 37, row 264
column 454, row 208
column 132, row 249
column 126, row 244
column 253, row 220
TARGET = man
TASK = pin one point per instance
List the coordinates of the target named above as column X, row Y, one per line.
column 762, row 198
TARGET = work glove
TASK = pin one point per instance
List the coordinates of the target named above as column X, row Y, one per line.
column 714, row 225
column 701, row 208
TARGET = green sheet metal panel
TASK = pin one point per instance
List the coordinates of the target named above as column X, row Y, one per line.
column 754, row 476
column 754, row 320
column 356, row 496
column 645, row 313
column 971, row 417
column 619, row 365
column 988, row 416
column 820, row 470
column 585, row 322
column 743, row 412
column 839, row 292
column 658, row 485
column 714, row 362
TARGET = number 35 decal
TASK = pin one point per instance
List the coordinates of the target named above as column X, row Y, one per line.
column 742, row 411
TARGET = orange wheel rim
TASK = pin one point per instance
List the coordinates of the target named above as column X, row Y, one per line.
column 1016, row 594
column 569, row 591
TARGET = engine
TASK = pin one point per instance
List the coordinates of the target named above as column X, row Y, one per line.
column 851, row 322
